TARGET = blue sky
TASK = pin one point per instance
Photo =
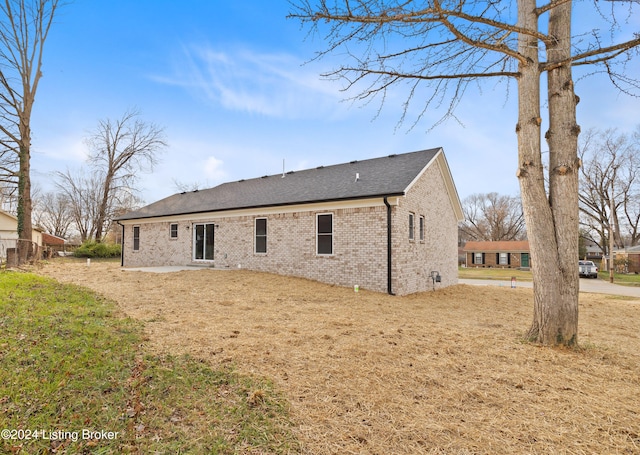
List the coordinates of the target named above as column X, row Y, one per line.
column 229, row 84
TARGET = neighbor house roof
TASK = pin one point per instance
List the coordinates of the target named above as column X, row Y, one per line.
column 498, row 246
column 633, row 249
column 377, row 177
column 50, row 239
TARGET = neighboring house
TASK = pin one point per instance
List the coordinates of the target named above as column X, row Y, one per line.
column 632, row 256
column 53, row 243
column 9, row 234
column 502, row 254
column 384, row 224
column 593, row 252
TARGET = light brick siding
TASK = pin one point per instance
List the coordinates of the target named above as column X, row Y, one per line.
column 413, row 260
column 156, row 248
column 359, row 242
column 359, row 246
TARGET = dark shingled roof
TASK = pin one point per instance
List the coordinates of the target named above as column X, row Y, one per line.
column 388, row 176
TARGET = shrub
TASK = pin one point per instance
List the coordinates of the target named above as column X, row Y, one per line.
column 92, row 249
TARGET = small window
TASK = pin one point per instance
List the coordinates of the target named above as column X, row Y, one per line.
column 504, row 259
column 477, row 258
column 324, row 229
column 261, row 235
column 136, row 238
column 422, row 229
column 411, row 226
column 173, row 230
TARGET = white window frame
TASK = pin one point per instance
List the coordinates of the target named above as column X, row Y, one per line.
column 171, row 231
column 136, row 238
column 475, row 258
column 194, row 242
column 421, row 228
column 412, row 226
column 255, row 235
column 318, row 234
column 503, row 259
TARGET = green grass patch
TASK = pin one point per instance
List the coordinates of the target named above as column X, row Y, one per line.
column 490, row 273
column 74, row 379
column 630, row 279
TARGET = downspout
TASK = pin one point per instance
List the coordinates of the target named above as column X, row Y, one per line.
column 389, row 250
column 121, row 245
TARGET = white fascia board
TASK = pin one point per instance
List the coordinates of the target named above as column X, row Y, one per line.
column 266, row 211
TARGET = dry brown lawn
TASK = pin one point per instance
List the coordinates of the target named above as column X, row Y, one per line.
column 438, row 372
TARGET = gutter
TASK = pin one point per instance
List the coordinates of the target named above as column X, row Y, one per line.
column 389, row 247
column 121, row 245
column 252, row 207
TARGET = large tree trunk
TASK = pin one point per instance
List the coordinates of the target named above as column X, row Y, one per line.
column 102, row 210
column 552, row 221
column 25, row 247
column 564, row 167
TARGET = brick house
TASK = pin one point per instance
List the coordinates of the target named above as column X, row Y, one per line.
column 632, row 257
column 501, row 254
column 383, row 224
column 633, row 254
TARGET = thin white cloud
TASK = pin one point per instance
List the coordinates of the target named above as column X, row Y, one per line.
column 70, row 147
column 269, row 84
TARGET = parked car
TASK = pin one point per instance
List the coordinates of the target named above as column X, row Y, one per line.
column 588, row 269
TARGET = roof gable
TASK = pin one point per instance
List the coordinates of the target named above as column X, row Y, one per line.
column 377, row 177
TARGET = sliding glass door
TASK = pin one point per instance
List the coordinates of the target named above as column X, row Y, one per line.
column 203, row 237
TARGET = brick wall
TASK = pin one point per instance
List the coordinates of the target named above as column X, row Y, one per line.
column 491, row 259
column 359, row 242
column 359, row 246
column 415, row 259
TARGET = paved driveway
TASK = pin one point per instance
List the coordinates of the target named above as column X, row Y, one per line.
column 586, row 285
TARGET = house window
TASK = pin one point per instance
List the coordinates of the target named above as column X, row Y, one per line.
column 477, row 258
column 136, row 238
column 422, row 229
column 173, row 230
column 504, row 259
column 324, row 230
column 411, row 226
column 261, row 235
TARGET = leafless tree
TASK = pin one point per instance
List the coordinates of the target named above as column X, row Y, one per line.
column 82, row 192
column 52, row 211
column 24, row 27
column 119, row 150
column 611, row 169
column 492, row 217
column 441, row 48
column 8, row 197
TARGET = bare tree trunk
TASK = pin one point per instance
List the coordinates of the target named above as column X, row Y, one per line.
column 104, row 203
column 24, row 27
column 25, row 227
column 553, row 224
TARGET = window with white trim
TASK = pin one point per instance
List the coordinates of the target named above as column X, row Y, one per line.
column 411, row 226
column 261, row 235
column 173, row 231
column 324, row 233
column 421, row 229
column 478, row 258
column 136, row 238
column 504, row 259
